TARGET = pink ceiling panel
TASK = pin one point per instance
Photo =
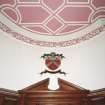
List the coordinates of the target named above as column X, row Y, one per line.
column 39, row 29
column 11, row 2
column 98, row 3
column 53, row 18
column 11, row 13
column 98, row 15
column 77, row 0
column 53, row 4
column 54, row 24
column 29, row 0
column 71, row 28
column 75, row 14
column 34, row 14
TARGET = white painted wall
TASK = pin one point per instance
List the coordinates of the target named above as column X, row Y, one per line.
column 20, row 63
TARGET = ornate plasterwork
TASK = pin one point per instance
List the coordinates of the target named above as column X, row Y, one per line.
column 52, row 23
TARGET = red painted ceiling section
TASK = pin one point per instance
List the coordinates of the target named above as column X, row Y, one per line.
column 53, row 17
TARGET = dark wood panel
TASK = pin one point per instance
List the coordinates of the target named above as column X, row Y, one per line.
column 98, row 96
column 39, row 94
column 67, row 94
column 8, row 97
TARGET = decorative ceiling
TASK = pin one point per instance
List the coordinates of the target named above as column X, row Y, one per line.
column 52, row 23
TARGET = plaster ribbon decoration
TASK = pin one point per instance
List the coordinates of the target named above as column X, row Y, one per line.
column 53, row 62
column 52, row 23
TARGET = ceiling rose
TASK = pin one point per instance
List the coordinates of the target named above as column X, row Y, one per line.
column 52, row 23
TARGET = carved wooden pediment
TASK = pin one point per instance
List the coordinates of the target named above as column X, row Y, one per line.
column 67, row 94
column 63, row 86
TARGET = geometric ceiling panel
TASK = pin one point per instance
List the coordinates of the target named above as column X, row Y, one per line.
column 98, row 3
column 53, row 4
column 81, row 1
column 72, row 14
column 8, row 2
column 32, row 14
column 52, row 22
